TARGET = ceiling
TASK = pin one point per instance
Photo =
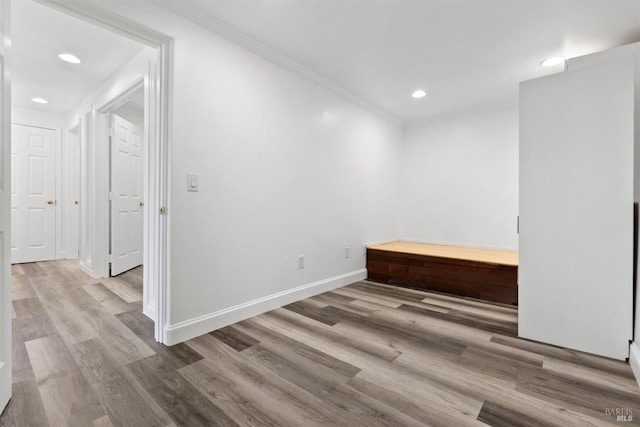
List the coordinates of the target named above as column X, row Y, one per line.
column 39, row 34
column 464, row 53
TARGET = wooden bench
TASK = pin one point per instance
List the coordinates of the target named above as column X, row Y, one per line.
column 486, row 274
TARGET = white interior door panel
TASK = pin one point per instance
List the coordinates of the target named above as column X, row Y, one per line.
column 576, row 209
column 126, row 196
column 33, row 205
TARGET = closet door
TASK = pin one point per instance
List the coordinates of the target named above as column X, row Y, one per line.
column 576, row 208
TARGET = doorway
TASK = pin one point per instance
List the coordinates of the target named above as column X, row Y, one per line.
column 87, row 211
column 158, row 79
column 126, row 194
column 127, row 170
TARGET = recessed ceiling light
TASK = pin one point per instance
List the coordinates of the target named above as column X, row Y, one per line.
column 40, row 100
column 556, row 60
column 69, row 58
column 419, row 93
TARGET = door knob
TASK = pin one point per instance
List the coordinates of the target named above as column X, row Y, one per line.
column 76, row 202
column 141, row 204
column 51, row 202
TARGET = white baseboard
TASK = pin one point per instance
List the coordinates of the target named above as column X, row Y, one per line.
column 149, row 311
column 179, row 332
column 86, row 268
column 634, row 359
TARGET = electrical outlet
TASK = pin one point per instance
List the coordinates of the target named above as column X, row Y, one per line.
column 300, row 262
column 347, row 251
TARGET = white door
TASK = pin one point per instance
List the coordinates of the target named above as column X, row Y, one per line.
column 576, row 209
column 33, row 205
column 126, row 196
column 5, row 209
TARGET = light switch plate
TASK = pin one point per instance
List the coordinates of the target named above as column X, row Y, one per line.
column 192, row 182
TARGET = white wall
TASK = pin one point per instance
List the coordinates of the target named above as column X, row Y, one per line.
column 459, row 179
column 29, row 117
column 286, row 168
column 26, row 116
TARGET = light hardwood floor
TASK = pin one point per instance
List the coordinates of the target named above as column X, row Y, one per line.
column 366, row 354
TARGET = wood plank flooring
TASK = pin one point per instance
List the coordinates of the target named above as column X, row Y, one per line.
column 366, row 354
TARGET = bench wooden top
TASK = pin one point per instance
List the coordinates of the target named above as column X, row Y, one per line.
column 492, row 256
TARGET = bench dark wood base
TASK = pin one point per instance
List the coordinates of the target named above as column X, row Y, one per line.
column 476, row 279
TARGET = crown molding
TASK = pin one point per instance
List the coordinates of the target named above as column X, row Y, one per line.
column 205, row 20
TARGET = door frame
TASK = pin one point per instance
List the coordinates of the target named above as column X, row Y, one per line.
column 102, row 123
column 132, row 260
column 157, row 225
column 149, row 293
column 46, row 121
column 57, row 217
column 71, row 222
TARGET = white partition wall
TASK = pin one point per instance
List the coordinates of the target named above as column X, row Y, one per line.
column 576, row 208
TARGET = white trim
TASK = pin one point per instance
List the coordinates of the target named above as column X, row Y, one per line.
column 71, row 192
column 117, row 101
column 197, row 326
column 100, row 256
column 149, row 311
column 634, row 359
column 84, row 266
column 59, row 147
column 209, row 22
column 87, row 194
column 35, row 125
column 160, row 194
column 156, row 258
